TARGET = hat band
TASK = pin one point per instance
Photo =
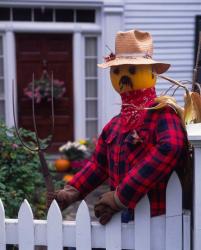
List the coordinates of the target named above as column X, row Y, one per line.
column 133, row 55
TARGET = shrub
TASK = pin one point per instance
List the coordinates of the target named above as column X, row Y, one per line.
column 20, row 177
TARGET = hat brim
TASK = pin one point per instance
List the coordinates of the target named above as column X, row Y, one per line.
column 159, row 67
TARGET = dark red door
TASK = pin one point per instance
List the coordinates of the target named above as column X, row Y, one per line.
column 53, row 51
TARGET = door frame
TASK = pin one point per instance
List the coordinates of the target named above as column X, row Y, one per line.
column 79, row 31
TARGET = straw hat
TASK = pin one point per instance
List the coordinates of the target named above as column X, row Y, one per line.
column 134, row 47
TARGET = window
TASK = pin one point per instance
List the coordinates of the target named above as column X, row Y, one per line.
column 64, row 15
column 4, row 14
column 198, row 31
column 85, row 16
column 91, row 86
column 20, row 14
column 2, row 97
column 43, row 15
column 47, row 15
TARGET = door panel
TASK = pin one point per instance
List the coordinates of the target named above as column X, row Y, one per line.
column 55, row 50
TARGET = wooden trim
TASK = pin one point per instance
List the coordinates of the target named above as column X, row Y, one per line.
column 52, row 3
column 32, row 27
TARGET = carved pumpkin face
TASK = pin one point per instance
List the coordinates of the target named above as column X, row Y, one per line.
column 132, row 77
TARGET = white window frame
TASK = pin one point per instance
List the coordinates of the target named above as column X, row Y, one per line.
column 95, row 78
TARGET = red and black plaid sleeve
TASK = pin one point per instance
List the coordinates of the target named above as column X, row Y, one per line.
column 159, row 159
column 96, row 170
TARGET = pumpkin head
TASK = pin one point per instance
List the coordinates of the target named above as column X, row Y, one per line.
column 132, row 77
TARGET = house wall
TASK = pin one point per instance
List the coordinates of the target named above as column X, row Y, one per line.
column 172, row 24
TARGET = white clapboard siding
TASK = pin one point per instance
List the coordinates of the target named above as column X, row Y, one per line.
column 54, row 228
column 25, row 227
column 144, row 233
column 2, row 227
column 160, row 20
column 172, row 24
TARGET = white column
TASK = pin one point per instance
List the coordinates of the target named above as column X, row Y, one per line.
column 194, row 135
column 112, row 22
column 197, row 197
column 79, row 86
column 10, row 75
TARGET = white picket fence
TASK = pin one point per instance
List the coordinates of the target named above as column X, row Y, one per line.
column 168, row 232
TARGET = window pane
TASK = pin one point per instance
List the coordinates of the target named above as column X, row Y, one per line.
column 1, row 66
column 91, row 67
column 43, row 15
column 91, row 88
column 2, row 110
column 4, row 14
column 91, row 46
column 1, row 87
column 87, row 16
column 64, row 15
column 91, row 109
column 91, row 129
column 1, row 45
column 21, row 14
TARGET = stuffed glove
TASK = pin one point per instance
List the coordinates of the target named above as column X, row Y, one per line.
column 107, row 205
column 64, row 197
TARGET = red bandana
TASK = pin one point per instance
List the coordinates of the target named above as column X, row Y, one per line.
column 133, row 104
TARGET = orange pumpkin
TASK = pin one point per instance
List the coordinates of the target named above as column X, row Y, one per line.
column 62, row 165
column 67, row 177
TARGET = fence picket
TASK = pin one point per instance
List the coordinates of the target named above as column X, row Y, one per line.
column 25, row 227
column 174, row 214
column 186, row 230
column 145, row 233
column 113, row 233
column 83, row 227
column 54, row 228
column 142, row 225
column 2, row 227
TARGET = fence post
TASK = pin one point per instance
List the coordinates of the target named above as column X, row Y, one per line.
column 25, row 227
column 174, row 214
column 113, row 233
column 194, row 136
column 83, row 227
column 2, row 227
column 142, row 225
column 54, row 228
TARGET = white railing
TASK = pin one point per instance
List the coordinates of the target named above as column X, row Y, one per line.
column 168, row 232
column 194, row 136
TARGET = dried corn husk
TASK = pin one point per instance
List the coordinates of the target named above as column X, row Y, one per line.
column 192, row 108
column 169, row 101
column 192, row 100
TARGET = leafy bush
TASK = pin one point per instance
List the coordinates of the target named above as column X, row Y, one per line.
column 20, row 177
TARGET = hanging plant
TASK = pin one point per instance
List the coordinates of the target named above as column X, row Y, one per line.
column 42, row 88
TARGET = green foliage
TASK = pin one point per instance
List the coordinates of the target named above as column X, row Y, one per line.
column 20, row 177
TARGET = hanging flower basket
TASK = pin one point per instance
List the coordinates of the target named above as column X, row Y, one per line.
column 42, row 88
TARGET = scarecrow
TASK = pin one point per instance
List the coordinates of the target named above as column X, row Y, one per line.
column 139, row 148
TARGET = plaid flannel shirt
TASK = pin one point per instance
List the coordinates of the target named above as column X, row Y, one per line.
column 137, row 162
